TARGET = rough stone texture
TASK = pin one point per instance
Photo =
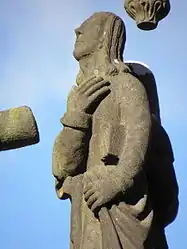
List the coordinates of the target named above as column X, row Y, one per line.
column 161, row 158
column 113, row 159
column 147, row 13
column 18, row 128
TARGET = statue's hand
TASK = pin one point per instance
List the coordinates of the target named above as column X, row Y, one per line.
column 86, row 97
column 101, row 185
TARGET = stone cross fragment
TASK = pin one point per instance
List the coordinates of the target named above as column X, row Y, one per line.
column 18, row 128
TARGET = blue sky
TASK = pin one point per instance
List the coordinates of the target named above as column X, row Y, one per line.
column 37, row 69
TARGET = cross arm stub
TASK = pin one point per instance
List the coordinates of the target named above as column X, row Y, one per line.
column 18, row 128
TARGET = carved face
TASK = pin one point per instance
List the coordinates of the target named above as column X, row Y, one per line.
column 88, row 37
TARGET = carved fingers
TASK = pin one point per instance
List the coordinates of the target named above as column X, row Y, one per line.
column 87, row 96
column 101, row 185
column 97, row 191
column 96, row 97
column 91, row 194
column 89, row 83
column 92, row 200
column 97, row 202
column 92, row 87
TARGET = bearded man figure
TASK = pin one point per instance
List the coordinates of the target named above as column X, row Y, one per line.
column 99, row 158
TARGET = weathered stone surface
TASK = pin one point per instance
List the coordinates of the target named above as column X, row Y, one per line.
column 147, row 13
column 160, row 156
column 113, row 159
column 18, row 128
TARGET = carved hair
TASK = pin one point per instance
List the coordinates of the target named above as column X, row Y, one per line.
column 114, row 38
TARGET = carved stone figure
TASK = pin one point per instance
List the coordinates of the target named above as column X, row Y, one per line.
column 147, row 13
column 18, row 128
column 107, row 158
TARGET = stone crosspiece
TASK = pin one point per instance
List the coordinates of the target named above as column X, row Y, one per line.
column 147, row 13
column 18, row 128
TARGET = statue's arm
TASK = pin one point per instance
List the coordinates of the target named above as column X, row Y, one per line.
column 136, row 120
column 70, row 149
column 71, row 146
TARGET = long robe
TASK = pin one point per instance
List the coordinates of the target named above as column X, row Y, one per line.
column 120, row 129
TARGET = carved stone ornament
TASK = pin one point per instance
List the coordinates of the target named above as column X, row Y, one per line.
column 147, row 13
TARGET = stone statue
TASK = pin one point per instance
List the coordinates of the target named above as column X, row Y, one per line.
column 147, row 13
column 108, row 158
column 18, row 128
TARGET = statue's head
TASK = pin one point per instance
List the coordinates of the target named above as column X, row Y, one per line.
column 103, row 31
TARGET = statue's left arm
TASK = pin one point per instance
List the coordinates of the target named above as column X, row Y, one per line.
column 136, row 120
